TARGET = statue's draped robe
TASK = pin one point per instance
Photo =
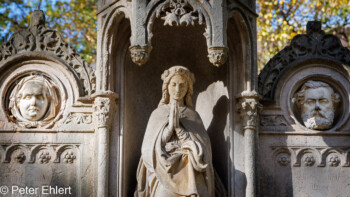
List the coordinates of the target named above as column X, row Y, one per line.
column 184, row 171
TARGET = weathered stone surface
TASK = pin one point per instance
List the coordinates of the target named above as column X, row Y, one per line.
column 46, row 126
column 176, row 152
column 317, row 101
column 303, row 147
column 86, row 132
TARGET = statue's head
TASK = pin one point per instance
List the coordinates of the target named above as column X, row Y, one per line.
column 177, row 85
column 33, row 99
column 317, row 101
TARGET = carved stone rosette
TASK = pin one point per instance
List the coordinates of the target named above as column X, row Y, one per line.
column 248, row 108
column 140, row 54
column 103, row 108
column 217, row 55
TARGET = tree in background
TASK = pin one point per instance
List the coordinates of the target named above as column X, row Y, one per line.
column 76, row 20
column 280, row 20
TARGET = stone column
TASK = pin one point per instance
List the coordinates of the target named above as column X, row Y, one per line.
column 248, row 109
column 104, row 104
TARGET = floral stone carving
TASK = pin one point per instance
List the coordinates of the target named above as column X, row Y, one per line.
column 33, row 102
column 217, row 55
column 140, row 54
column 334, row 161
column 20, row 157
column 179, row 12
column 44, row 157
column 69, row 157
column 309, row 160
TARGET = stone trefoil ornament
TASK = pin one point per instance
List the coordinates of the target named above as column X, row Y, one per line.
column 33, row 102
column 179, row 12
column 176, row 153
column 317, row 101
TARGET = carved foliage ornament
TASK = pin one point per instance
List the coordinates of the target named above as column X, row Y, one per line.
column 38, row 38
column 249, row 107
column 102, row 107
column 179, row 12
column 79, row 118
column 314, row 44
column 140, row 54
column 217, row 55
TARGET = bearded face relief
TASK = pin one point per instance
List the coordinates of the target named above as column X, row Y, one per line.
column 317, row 101
column 33, row 102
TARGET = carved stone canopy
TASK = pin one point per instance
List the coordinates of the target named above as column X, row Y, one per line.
column 176, row 13
column 303, row 47
column 39, row 39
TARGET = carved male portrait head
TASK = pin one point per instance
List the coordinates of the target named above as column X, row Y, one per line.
column 177, row 85
column 317, row 101
column 33, row 101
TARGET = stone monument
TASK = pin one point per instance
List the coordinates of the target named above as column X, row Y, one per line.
column 304, row 122
column 176, row 152
column 68, row 124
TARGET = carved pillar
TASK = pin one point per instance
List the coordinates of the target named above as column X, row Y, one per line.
column 248, row 109
column 104, row 104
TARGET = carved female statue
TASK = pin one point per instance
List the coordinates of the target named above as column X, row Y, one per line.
column 176, row 153
column 33, row 102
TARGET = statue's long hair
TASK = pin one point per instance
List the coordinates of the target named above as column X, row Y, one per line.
column 170, row 73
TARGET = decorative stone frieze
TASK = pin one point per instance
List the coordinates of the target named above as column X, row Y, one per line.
column 320, row 156
column 79, row 118
column 272, row 120
column 39, row 153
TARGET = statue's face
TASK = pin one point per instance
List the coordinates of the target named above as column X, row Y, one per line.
column 33, row 102
column 177, row 87
column 317, row 108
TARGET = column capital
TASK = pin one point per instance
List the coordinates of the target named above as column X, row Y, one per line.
column 249, row 107
column 104, row 104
